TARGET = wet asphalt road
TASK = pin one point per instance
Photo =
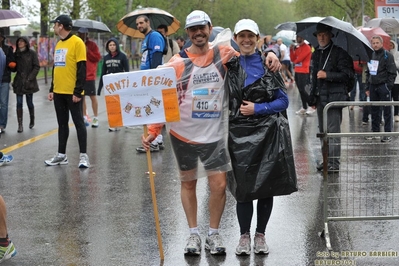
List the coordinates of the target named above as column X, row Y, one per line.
column 64, row 215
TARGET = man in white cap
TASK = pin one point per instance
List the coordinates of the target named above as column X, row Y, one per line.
column 199, row 135
column 93, row 56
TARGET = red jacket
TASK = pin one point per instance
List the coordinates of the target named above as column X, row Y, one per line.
column 301, row 56
column 93, row 56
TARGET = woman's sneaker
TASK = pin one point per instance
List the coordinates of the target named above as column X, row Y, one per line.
column 244, row 245
column 193, row 246
column 260, row 246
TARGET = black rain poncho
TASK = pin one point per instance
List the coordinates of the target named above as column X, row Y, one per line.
column 260, row 146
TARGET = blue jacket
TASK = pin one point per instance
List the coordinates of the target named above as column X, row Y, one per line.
column 253, row 66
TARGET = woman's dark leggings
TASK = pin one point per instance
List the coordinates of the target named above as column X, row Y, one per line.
column 63, row 105
column 245, row 211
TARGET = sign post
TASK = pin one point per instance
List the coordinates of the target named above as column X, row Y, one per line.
column 142, row 98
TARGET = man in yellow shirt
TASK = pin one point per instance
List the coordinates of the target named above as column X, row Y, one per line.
column 69, row 75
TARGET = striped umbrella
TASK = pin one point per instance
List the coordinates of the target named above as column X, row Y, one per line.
column 10, row 18
column 127, row 24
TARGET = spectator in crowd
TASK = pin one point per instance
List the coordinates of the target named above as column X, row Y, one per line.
column 93, row 56
column 395, row 89
column 171, row 45
column 5, row 80
column 113, row 62
column 381, row 75
column 332, row 67
column 300, row 55
column 25, row 82
column 285, row 61
column 181, row 42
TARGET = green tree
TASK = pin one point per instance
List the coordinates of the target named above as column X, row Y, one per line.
column 348, row 10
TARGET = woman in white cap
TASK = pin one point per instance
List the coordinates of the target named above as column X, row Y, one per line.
column 247, row 148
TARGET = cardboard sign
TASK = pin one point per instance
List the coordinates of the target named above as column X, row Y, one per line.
column 141, row 97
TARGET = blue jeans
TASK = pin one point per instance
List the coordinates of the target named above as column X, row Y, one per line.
column 29, row 100
column 4, row 93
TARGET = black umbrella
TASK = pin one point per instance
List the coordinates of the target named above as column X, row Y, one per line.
column 345, row 36
column 215, row 31
column 91, row 25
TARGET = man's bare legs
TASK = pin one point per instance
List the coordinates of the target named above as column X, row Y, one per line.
column 217, row 199
column 3, row 214
column 188, row 195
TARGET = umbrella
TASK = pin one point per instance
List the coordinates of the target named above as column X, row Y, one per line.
column 389, row 25
column 91, row 25
column 285, row 40
column 286, row 26
column 370, row 32
column 215, row 31
column 10, row 18
column 287, row 34
column 345, row 36
column 127, row 24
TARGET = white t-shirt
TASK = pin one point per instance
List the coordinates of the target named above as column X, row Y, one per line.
column 284, row 48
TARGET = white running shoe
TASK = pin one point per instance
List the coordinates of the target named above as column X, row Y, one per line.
column 310, row 111
column 301, row 111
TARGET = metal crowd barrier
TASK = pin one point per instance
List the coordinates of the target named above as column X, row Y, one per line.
column 366, row 187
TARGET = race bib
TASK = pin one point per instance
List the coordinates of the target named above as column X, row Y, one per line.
column 373, row 67
column 206, row 104
column 60, row 57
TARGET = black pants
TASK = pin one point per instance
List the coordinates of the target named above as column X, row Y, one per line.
column 245, row 211
column 395, row 97
column 301, row 80
column 380, row 92
column 63, row 105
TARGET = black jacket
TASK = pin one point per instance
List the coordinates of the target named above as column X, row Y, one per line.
column 27, row 68
column 386, row 72
column 8, row 51
column 338, row 65
column 113, row 63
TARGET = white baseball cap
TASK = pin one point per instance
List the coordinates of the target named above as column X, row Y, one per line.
column 196, row 18
column 246, row 24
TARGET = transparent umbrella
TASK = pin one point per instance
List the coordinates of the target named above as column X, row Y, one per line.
column 10, row 18
column 389, row 25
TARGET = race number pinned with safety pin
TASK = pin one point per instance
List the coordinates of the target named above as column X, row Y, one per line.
column 206, row 103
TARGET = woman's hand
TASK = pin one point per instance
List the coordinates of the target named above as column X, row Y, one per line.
column 272, row 62
column 247, row 108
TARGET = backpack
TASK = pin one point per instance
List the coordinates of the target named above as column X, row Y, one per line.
column 165, row 47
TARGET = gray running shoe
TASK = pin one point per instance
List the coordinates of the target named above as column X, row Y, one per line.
column 193, row 246
column 153, row 148
column 56, row 160
column 84, row 161
column 244, row 246
column 260, row 246
column 215, row 245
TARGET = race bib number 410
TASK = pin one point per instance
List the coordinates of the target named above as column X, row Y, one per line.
column 206, row 104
